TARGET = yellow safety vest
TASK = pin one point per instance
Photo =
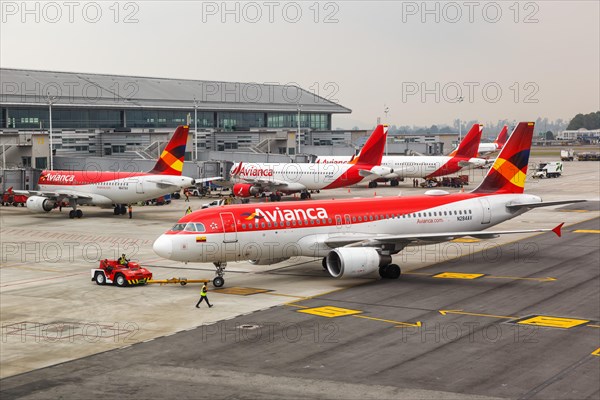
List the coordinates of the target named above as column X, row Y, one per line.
column 203, row 292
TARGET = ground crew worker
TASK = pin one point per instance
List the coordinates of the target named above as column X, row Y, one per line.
column 203, row 296
column 130, row 209
column 123, row 260
column 186, row 193
column 188, row 211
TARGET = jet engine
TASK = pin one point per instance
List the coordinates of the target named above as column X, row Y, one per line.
column 40, row 204
column 245, row 190
column 353, row 262
column 267, row 261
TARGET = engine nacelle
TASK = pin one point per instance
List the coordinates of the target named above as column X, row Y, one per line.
column 40, row 204
column 245, row 190
column 354, row 262
column 267, row 261
column 382, row 171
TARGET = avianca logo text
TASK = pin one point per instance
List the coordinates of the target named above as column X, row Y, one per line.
column 254, row 172
column 57, row 178
column 287, row 215
column 325, row 161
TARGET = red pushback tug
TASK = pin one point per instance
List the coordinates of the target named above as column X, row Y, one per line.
column 110, row 271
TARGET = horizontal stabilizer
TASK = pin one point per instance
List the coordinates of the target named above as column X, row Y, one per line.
column 516, row 206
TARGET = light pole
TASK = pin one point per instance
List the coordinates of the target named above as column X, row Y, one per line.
column 195, row 129
column 298, row 131
column 50, row 100
column 386, row 110
column 459, row 100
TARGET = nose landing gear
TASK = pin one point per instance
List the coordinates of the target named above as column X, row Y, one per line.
column 219, row 281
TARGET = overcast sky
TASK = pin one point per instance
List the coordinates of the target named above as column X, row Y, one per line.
column 510, row 60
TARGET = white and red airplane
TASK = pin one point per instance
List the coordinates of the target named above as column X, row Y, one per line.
column 489, row 148
column 250, row 179
column 357, row 236
column 112, row 189
column 426, row 167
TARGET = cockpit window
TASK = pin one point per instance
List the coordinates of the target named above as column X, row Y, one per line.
column 178, row 227
column 200, row 227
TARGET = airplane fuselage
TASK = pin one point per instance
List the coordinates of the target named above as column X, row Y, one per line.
column 417, row 166
column 269, row 231
column 108, row 188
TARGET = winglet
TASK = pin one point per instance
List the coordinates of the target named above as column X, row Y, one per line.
column 557, row 229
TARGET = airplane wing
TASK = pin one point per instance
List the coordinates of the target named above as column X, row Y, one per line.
column 203, row 180
column 403, row 240
column 59, row 194
column 164, row 184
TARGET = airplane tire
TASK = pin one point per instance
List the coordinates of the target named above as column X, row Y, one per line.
column 393, row 271
column 383, row 272
column 278, row 197
column 72, row 214
column 116, row 210
column 272, row 197
column 218, row 281
column 122, row 209
column 372, row 185
column 324, row 263
column 79, row 213
column 394, row 182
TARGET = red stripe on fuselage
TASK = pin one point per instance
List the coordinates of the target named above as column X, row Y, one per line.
column 70, row 178
column 273, row 212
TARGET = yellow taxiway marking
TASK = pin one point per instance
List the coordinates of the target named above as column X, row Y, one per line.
column 553, row 322
column 461, row 275
column 418, row 323
column 577, row 211
column 587, row 231
column 596, row 352
column 465, row 240
column 546, row 279
column 295, row 305
column 457, row 275
column 330, row 311
column 444, row 312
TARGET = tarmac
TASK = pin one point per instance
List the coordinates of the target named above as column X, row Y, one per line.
column 469, row 319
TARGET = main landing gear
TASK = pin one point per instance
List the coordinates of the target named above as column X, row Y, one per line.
column 274, row 197
column 372, row 184
column 75, row 212
column 120, row 209
column 390, row 271
column 219, row 280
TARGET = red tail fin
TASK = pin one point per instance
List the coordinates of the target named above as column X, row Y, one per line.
column 372, row 151
column 509, row 171
column 469, row 146
column 501, row 139
column 170, row 161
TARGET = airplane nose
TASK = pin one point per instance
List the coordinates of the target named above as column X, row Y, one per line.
column 163, row 246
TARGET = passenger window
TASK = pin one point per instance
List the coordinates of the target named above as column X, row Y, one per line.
column 243, row 226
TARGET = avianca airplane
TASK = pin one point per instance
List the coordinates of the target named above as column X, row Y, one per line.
column 112, row 189
column 356, row 237
column 427, row 166
column 250, row 179
column 488, row 148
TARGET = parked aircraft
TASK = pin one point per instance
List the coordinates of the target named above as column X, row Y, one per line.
column 489, row 148
column 250, row 179
column 112, row 189
column 357, row 237
column 426, row 167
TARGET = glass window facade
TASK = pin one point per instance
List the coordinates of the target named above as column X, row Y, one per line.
column 82, row 118
column 315, row 121
column 240, row 121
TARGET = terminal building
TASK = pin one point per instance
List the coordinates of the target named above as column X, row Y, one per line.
column 108, row 119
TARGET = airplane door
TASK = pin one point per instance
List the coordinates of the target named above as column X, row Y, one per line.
column 229, row 228
column 139, row 188
column 338, row 221
column 487, row 211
